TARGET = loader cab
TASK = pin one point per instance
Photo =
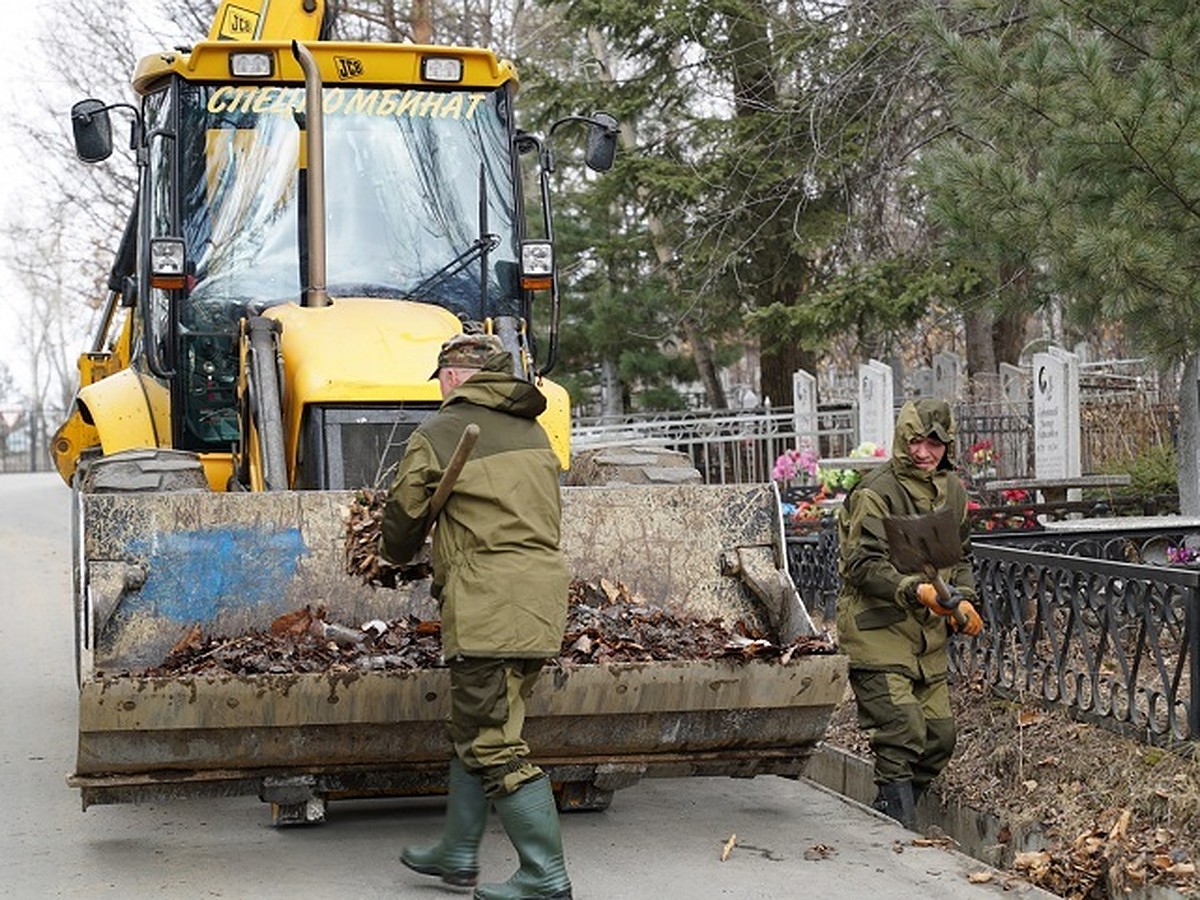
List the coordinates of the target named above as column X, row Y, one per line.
column 423, row 201
column 418, row 203
column 421, row 205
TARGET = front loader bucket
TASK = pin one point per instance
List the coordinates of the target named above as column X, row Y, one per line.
column 156, row 565
column 153, row 566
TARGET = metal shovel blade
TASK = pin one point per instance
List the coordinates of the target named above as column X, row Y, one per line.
column 927, row 540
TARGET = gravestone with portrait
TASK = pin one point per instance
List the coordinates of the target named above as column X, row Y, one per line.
column 1056, row 448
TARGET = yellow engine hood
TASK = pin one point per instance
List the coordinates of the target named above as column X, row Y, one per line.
column 359, row 351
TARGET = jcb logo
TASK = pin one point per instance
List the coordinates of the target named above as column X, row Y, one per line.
column 238, row 24
column 347, row 67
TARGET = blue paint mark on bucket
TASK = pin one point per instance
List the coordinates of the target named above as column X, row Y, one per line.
column 194, row 575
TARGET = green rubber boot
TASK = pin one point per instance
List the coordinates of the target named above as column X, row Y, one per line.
column 455, row 858
column 530, row 820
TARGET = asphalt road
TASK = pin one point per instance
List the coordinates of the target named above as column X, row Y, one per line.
column 660, row 839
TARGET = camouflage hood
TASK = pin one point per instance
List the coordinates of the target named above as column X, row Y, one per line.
column 497, row 388
column 923, row 418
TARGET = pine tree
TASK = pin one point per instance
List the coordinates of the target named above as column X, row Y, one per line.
column 1076, row 160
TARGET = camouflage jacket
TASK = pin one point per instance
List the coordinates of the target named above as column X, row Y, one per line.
column 498, row 573
column 880, row 626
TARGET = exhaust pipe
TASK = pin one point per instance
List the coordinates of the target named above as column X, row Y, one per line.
column 314, row 136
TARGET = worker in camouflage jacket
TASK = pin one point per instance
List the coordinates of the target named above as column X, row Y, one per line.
column 891, row 624
column 501, row 582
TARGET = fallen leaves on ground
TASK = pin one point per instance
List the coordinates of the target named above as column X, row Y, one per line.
column 1111, row 813
column 727, row 848
column 820, row 851
column 364, row 528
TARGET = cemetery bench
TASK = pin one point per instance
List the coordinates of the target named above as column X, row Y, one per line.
column 1055, row 489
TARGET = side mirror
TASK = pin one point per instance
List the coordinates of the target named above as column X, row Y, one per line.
column 601, row 142
column 92, row 129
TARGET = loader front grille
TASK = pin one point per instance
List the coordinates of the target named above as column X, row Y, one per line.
column 346, row 448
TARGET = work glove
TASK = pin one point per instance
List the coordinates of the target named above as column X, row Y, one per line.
column 973, row 626
column 927, row 596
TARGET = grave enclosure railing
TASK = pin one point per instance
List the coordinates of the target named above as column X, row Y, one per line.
column 726, row 446
column 1076, row 620
column 736, row 446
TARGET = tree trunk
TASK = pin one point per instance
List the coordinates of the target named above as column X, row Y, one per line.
column 612, row 393
column 1186, row 462
column 755, row 95
column 702, row 354
column 1008, row 338
column 422, row 22
column 778, row 368
column 979, row 325
column 701, row 346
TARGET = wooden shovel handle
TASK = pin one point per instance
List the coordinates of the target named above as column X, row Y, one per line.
column 944, row 597
column 466, row 444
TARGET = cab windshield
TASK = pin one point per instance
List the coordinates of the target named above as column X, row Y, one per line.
column 419, row 198
column 420, row 205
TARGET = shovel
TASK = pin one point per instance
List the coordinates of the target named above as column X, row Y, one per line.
column 441, row 494
column 418, row 566
column 924, row 544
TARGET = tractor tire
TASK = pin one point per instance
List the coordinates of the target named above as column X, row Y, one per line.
column 144, row 472
column 632, row 465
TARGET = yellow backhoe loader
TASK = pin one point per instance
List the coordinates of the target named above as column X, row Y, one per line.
column 313, row 219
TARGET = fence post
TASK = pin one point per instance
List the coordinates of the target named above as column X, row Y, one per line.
column 33, row 441
column 1192, row 623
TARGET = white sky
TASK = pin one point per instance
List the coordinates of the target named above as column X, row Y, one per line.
column 22, row 67
column 19, row 47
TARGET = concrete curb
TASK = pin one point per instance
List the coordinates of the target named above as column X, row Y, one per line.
column 976, row 832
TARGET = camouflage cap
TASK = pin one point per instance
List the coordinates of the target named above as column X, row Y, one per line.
column 467, row 351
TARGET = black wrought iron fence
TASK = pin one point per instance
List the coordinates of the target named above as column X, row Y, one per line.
column 1112, row 430
column 1092, row 628
column 1113, row 642
column 813, row 562
column 1005, row 430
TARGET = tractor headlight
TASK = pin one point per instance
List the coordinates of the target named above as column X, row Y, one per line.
column 166, row 263
column 441, row 68
column 251, row 65
column 537, row 265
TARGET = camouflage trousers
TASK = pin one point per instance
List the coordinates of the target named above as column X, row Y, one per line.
column 909, row 724
column 487, row 716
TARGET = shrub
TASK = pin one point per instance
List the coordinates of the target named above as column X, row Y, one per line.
column 1152, row 471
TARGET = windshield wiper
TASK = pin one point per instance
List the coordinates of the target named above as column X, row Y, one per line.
column 478, row 247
